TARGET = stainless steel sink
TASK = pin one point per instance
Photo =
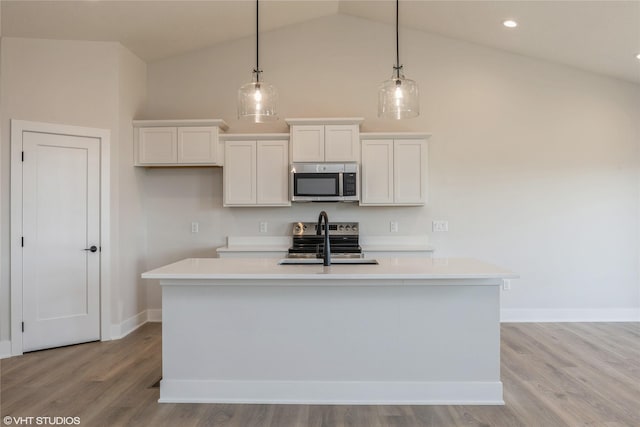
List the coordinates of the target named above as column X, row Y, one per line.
column 317, row 261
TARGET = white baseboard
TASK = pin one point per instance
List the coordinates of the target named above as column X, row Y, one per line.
column 332, row 392
column 517, row 315
column 154, row 315
column 129, row 325
column 5, row 349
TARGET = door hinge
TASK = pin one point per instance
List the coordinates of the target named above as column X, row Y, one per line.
column 22, row 241
column 23, row 156
column 22, row 326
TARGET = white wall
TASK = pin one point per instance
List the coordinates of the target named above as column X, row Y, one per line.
column 93, row 84
column 129, row 229
column 534, row 164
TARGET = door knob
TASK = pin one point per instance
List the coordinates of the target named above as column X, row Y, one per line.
column 92, row 249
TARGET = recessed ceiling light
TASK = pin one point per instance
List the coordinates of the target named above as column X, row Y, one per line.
column 509, row 23
column 638, row 56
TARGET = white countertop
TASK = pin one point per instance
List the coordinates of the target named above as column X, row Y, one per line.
column 388, row 268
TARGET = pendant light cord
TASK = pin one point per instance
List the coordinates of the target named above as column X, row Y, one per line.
column 398, row 66
column 257, row 70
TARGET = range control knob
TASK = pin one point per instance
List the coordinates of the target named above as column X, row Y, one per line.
column 341, row 227
column 347, row 227
column 354, row 228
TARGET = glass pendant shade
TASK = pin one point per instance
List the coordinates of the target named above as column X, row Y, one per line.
column 257, row 101
column 398, row 99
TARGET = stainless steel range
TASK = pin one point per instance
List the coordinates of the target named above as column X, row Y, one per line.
column 343, row 240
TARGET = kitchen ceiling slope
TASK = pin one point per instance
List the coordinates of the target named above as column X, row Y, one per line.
column 598, row 36
column 154, row 29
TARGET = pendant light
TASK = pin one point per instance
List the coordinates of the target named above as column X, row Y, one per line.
column 257, row 99
column 398, row 97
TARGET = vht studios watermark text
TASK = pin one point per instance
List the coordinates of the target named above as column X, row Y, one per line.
column 41, row 421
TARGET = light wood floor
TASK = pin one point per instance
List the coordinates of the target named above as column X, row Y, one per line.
column 554, row 374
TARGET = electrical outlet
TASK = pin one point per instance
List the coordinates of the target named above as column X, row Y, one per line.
column 506, row 285
column 263, row 226
column 440, row 226
column 195, row 227
column 393, row 226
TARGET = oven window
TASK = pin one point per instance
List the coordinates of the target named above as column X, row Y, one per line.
column 316, row 184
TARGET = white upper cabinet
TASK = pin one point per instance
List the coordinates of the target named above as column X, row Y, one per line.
column 239, row 173
column 307, row 143
column 272, row 173
column 394, row 169
column 177, row 142
column 377, row 172
column 342, row 143
column 325, row 140
column 409, row 172
column 198, row 145
column 157, row 145
column 256, row 172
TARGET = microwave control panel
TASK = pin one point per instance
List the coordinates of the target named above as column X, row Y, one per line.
column 349, row 184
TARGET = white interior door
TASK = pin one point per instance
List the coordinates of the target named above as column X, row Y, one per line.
column 61, row 222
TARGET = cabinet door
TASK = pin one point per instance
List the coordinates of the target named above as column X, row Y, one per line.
column 272, row 173
column 198, row 145
column 239, row 173
column 342, row 143
column 377, row 172
column 410, row 172
column 307, row 143
column 157, row 145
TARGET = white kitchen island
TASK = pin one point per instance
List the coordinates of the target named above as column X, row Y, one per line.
column 406, row 331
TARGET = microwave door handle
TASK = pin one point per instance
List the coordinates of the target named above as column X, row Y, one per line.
column 340, row 184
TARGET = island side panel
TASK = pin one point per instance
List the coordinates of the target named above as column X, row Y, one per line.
column 327, row 342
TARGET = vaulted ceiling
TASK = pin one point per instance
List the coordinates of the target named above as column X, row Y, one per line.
column 599, row 36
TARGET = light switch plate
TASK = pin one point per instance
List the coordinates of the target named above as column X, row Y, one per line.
column 263, row 226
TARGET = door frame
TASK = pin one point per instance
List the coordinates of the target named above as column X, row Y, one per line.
column 18, row 127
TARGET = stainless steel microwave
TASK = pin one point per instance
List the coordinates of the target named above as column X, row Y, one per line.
column 324, row 182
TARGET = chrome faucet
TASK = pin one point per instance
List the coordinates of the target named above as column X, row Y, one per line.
column 327, row 248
